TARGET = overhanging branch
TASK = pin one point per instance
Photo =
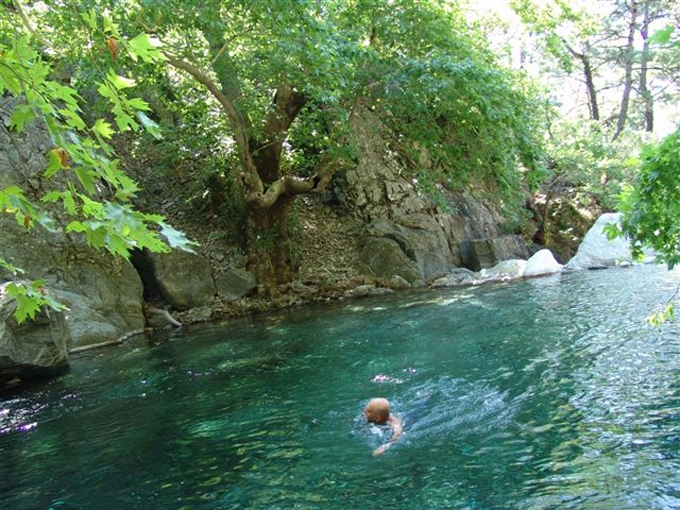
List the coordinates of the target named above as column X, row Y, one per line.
column 251, row 178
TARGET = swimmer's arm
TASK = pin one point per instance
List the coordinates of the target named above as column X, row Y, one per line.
column 397, row 431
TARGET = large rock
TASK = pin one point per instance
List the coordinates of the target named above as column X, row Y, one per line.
column 421, row 239
column 541, row 263
column 384, row 258
column 184, row 279
column 505, row 269
column 235, row 283
column 104, row 294
column 596, row 250
column 34, row 347
column 487, row 252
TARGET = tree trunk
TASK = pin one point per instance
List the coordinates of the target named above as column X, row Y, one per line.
column 584, row 58
column 648, row 102
column 590, row 85
column 268, row 191
column 268, row 244
column 628, row 79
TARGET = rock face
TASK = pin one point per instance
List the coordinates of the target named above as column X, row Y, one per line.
column 103, row 294
column 417, row 240
column 597, row 251
column 34, row 347
column 485, row 253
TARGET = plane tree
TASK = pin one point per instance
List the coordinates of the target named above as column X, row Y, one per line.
column 286, row 80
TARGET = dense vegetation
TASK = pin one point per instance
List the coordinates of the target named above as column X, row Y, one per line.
column 268, row 92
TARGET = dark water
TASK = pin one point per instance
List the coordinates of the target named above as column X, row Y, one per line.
column 550, row 393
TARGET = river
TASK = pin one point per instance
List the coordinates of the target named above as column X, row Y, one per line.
column 547, row 393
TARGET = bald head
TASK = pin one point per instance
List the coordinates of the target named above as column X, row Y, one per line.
column 377, row 410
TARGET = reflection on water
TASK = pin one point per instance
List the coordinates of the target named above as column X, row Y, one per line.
column 550, row 393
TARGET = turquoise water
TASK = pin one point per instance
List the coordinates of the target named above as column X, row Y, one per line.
column 549, row 393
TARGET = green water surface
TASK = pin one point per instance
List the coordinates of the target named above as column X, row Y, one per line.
column 549, row 393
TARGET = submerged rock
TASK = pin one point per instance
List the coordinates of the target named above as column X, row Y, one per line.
column 459, row 276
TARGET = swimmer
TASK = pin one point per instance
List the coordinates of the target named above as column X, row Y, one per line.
column 378, row 411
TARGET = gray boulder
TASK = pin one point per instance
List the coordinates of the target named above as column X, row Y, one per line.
column 384, row 258
column 184, row 279
column 421, row 239
column 236, row 283
column 32, row 348
column 487, row 252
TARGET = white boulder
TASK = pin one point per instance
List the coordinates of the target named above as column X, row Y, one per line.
column 596, row 250
column 542, row 262
column 511, row 268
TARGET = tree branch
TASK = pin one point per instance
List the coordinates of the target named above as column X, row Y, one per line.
column 251, row 179
column 27, row 23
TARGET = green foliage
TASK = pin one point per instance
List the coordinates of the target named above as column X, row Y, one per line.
column 586, row 164
column 30, row 296
column 651, row 209
column 457, row 116
column 669, row 36
column 81, row 150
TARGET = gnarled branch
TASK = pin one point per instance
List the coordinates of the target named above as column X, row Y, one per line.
column 251, row 179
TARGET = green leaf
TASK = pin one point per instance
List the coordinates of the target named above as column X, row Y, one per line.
column 103, row 129
column 145, row 47
column 53, row 164
column 90, row 18
column 120, row 82
column 11, row 268
column 87, row 178
column 72, row 118
column 30, row 297
column 76, row 226
column 138, row 104
column 66, row 94
column 46, row 221
column 176, row 239
column 22, row 115
column 149, row 125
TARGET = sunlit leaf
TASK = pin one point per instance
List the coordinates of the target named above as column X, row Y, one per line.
column 145, row 47
column 177, row 239
column 120, row 82
column 103, row 128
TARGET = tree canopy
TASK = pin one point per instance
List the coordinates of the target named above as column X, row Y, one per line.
column 284, row 82
column 270, row 92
